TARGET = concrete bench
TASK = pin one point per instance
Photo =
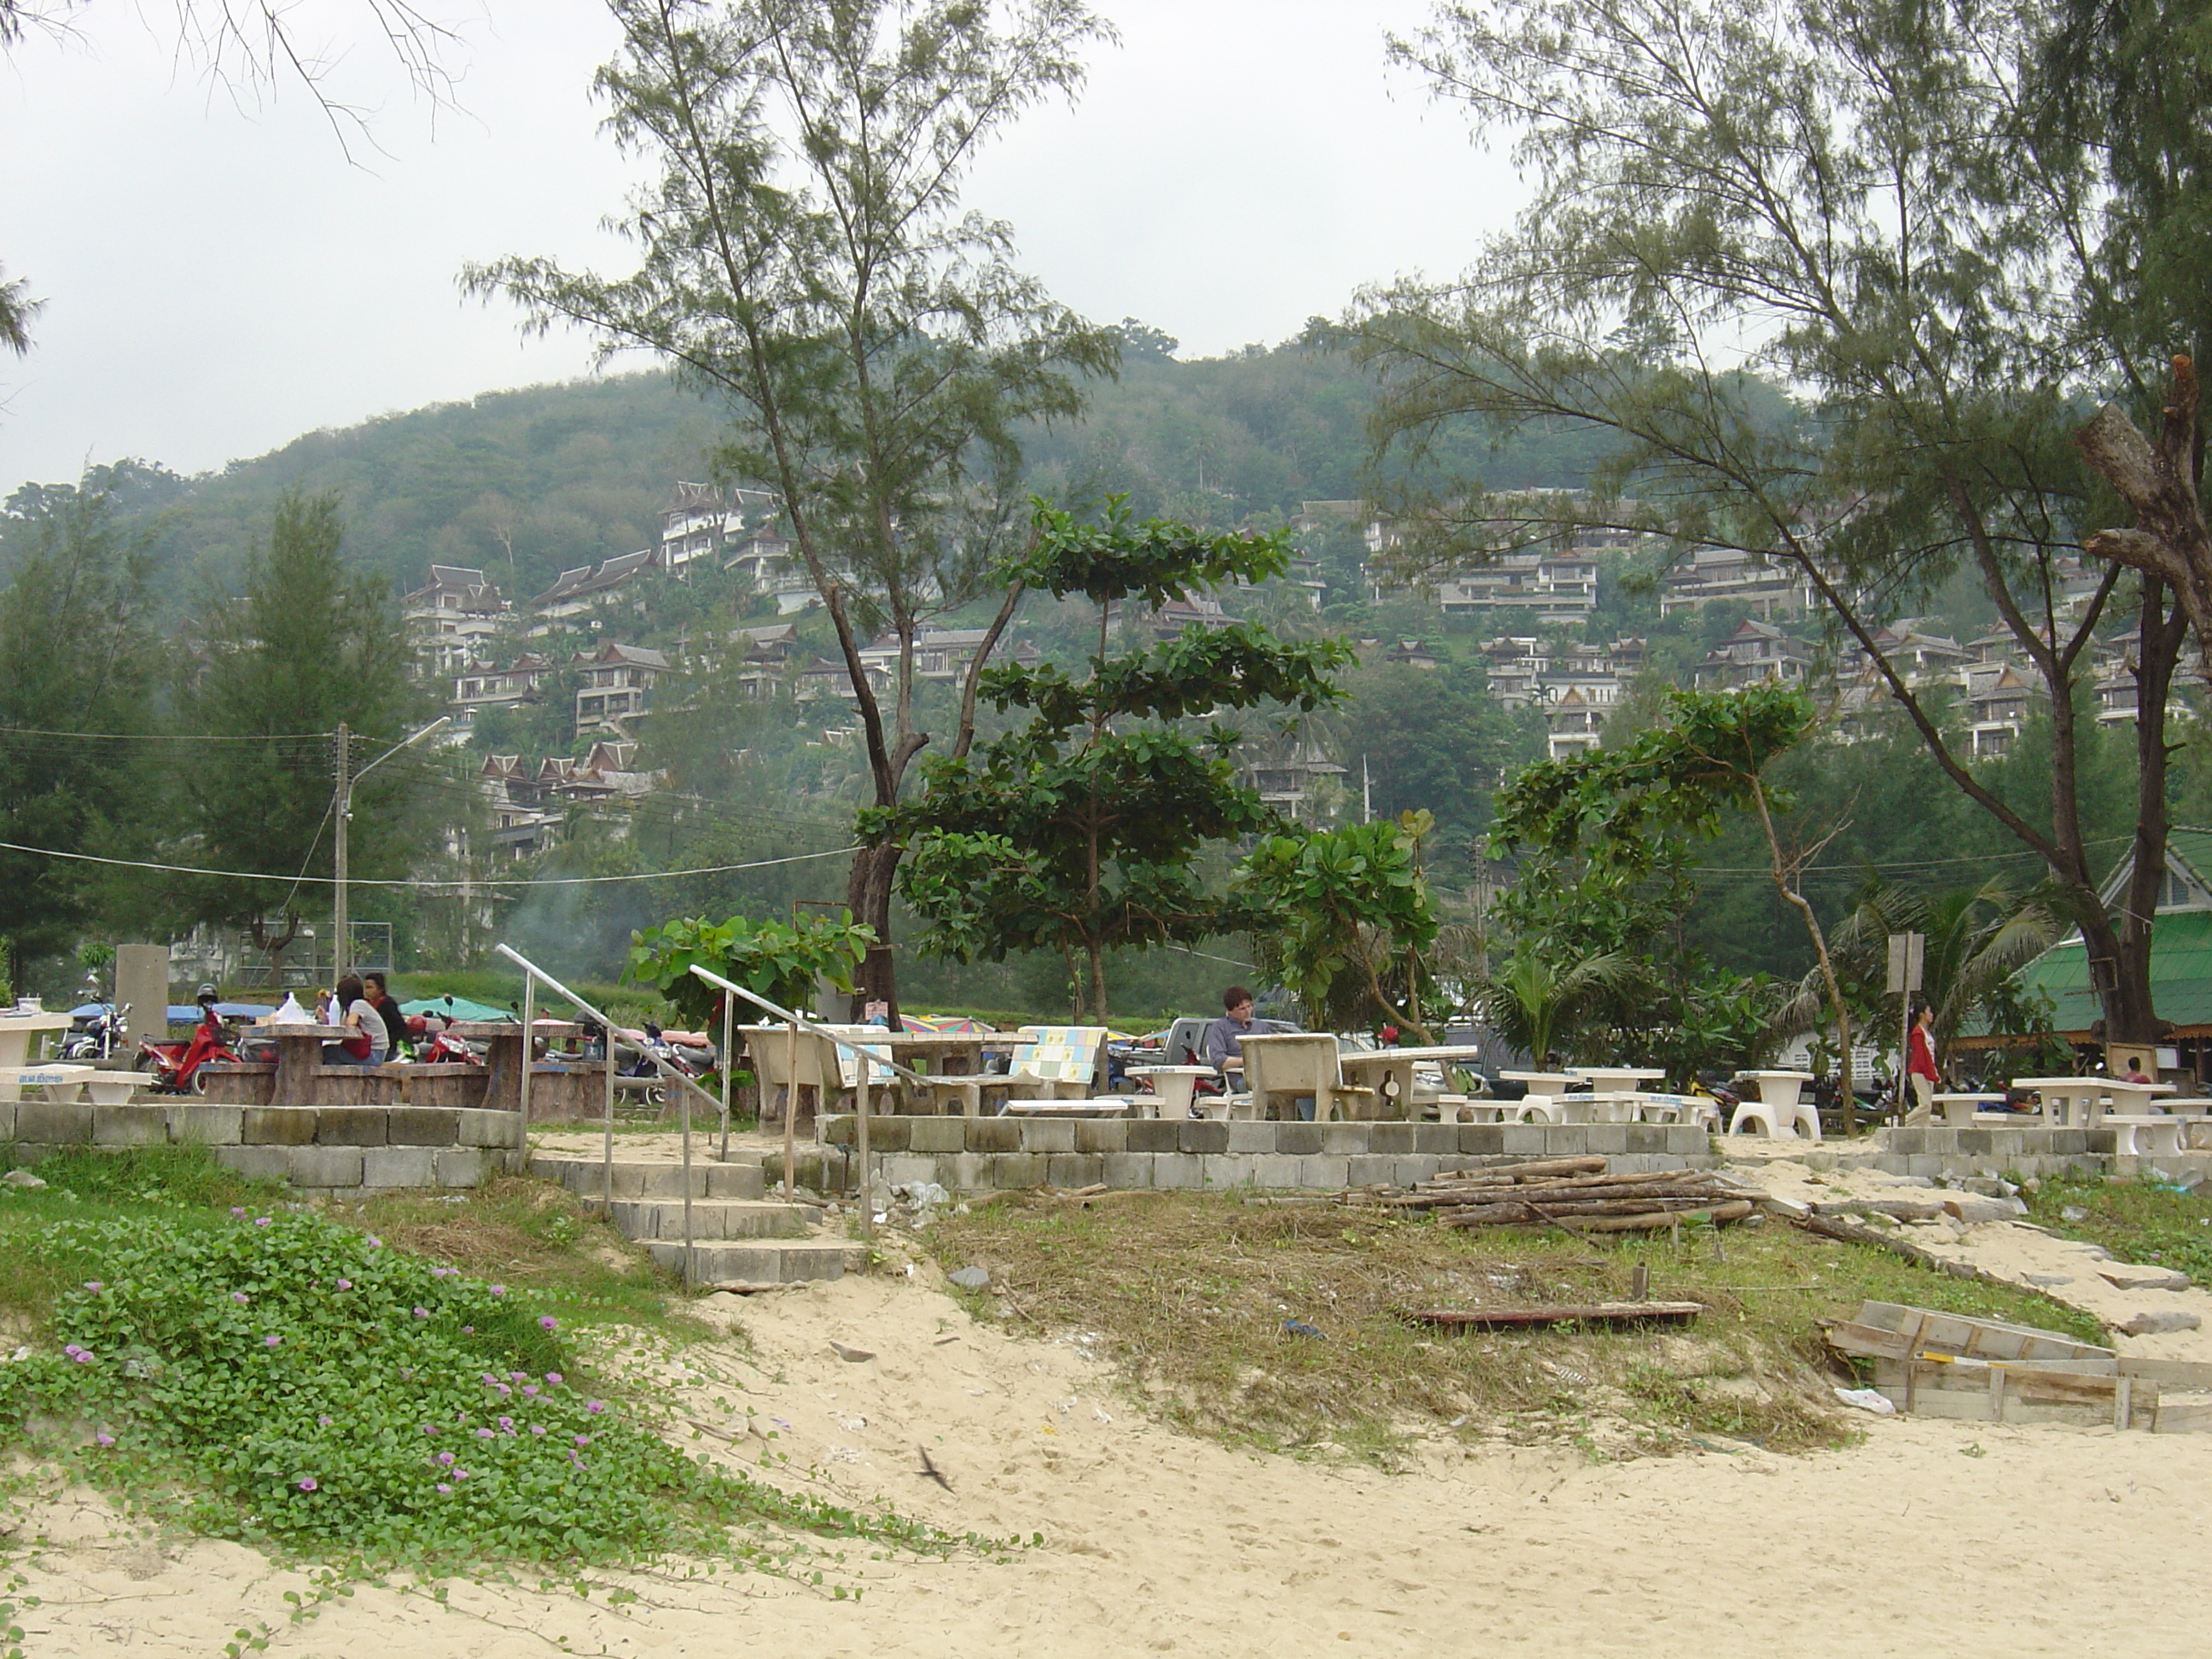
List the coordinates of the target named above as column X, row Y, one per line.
column 54, row 1082
column 1104, row 1106
column 2147, row 1134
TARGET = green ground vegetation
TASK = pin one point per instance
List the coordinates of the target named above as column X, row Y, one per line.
column 1194, row 1296
column 439, row 1384
column 2144, row 1220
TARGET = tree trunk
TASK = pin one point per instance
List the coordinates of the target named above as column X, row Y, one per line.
column 2169, row 540
column 1778, row 869
column 2119, row 972
column 868, row 896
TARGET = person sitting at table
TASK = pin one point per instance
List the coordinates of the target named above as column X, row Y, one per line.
column 377, row 990
column 367, row 1042
column 1224, row 1037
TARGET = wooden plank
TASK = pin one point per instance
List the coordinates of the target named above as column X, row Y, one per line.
column 2182, row 1417
column 2183, row 1375
column 1595, row 1313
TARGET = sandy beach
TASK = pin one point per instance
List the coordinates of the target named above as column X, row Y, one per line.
column 1967, row 1539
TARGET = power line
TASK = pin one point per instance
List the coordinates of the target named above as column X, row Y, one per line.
column 172, row 737
column 411, row 881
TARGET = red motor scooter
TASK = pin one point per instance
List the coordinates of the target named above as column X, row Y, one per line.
column 176, row 1066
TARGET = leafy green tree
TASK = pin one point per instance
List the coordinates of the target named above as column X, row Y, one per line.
column 1710, row 758
column 807, row 262
column 1867, row 196
column 780, row 960
column 270, row 676
column 1342, row 916
column 76, row 650
column 1082, row 831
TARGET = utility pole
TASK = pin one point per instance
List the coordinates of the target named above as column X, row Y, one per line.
column 341, row 811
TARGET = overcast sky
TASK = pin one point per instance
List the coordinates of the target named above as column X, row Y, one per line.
column 219, row 278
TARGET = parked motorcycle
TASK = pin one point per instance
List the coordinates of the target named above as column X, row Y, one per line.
column 95, row 1037
column 176, row 1066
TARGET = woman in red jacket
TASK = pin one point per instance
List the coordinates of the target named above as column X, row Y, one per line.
column 1920, row 1065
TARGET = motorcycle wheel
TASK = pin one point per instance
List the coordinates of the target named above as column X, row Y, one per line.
column 141, row 1061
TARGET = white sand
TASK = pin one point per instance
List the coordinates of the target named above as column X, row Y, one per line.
column 2053, row 1540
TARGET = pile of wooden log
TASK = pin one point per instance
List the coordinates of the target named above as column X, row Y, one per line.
column 1574, row 1194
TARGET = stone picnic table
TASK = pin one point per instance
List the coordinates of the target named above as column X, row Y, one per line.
column 18, row 1029
column 503, row 1054
column 1389, row 1072
column 1174, row 1088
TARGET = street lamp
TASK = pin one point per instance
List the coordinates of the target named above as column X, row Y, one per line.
column 342, row 950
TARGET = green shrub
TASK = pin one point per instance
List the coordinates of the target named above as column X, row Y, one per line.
column 308, row 1389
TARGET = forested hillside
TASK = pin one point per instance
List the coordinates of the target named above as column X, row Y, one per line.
column 526, row 484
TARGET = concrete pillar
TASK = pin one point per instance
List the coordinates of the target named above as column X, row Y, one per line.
column 142, row 979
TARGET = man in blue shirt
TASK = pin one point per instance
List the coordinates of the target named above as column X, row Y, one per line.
column 1224, row 1037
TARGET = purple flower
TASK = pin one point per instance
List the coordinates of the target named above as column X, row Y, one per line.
column 516, row 1376
column 261, row 1221
column 529, row 1391
column 446, row 1460
column 345, row 1284
column 460, row 1474
column 553, row 1378
column 325, row 1421
column 239, row 1298
column 583, row 1440
column 374, row 1242
column 307, row 1483
column 82, row 1355
column 422, row 1313
column 442, row 1486
column 537, row 1429
column 497, row 1289
column 505, row 1393
column 237, row 1210
column 429, row 1428
column 271, row 1341
column 507, row 1424
column 484, row 1434
column 93, row 1285
column 103, row 1439
column 548, row 1323
column 468, row 1330
column 490, row 1381
column 595, row 1406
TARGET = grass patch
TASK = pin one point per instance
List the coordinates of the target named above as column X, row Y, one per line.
column 1191, row 1293
column 2142, row 1220
column 412, row 1381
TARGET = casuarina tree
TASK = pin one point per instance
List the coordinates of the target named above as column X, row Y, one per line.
column 806, row 259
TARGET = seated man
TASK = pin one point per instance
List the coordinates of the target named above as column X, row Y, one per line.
column 1224, row 1037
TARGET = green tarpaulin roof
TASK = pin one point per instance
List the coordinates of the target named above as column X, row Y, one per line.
column 455, row 1008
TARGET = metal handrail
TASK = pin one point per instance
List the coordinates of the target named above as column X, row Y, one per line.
column 607, row 1154
column 858, row 1047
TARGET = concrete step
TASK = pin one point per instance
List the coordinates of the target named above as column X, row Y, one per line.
column 649, row 1218
column 584, row 1176
column 761, row 1261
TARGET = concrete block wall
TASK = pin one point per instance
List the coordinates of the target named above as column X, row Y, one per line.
column 337, row 1151
column 1003, row 1153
